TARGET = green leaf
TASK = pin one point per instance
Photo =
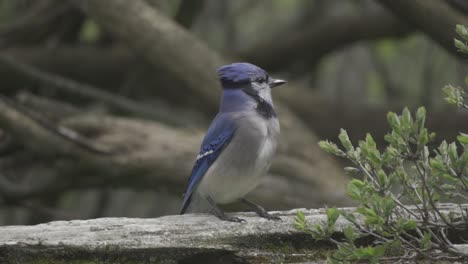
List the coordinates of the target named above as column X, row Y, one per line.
column 437, row 165
column 463, row 138
column 463, row 160
column 370, row 141
column 452, row 152
column 379, row 251
column 389, row 155
column 355, row 189
column 394, row 121
column 344, row 138
column 366, row 211
column 299, row 226
column 396, row 141
column 443, row 147
column 300, row 221
column 420, row 118
column 408, row 225
column 320, row 233
column 348, row 216
column 332, row 216
column 460, row 45
column 350, row 234
column 406, row 119
column 371, row 216
column 351, row 170
column 300, row 215
column 448, row 187
column 374, row 158
column 374, row 220
column 382, row 178
column 361, row 253
column 454, row 95
column 387, row 206
column 462, row 31
column 331, row 148
column 371, row 253
column 423, row 138
column 426, row 241
column 364, row 148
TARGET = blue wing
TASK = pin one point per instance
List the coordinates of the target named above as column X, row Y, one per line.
column 217, row 138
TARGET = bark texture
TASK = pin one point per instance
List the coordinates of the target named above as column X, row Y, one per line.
column 193, row 238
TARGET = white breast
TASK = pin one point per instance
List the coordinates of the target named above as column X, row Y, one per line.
column 267, row 150
column 239, row 169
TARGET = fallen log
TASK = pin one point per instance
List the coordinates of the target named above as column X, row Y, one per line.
column 195, row 238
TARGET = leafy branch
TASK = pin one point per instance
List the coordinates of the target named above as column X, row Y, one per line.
column 409, row 172
column 456, row 95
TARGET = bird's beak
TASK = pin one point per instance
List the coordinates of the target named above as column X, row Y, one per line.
column 276, row 82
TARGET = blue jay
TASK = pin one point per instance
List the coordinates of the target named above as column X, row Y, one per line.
column 239, row 146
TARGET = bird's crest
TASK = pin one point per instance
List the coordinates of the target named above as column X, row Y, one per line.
column 237, row 75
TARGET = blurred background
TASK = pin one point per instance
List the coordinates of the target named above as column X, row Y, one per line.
column 103, row 103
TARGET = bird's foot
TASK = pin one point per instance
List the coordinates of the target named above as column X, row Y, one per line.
column 224, row 217
column 233, row 219
column 261, row 211
column 218, row 212
column 268, row 216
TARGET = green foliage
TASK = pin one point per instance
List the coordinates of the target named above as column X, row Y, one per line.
column 403, row 171
column 318, row 231
column 461, row 44
column 399, row 189
column 455, row 95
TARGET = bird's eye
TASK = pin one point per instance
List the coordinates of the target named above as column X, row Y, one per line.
column 260, row 80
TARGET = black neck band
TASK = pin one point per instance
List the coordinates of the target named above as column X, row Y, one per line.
column 263, row 107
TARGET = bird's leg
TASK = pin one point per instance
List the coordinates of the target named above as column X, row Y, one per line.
column 218, row 212
column 260, row 210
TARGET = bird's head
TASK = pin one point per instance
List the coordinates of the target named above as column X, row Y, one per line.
column 249, row 78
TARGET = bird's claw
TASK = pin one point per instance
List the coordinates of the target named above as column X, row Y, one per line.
column 234, row 219
column 269, row 216
column 224, row 217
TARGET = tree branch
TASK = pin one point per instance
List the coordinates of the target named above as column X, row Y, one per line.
column 435, row 18
column 164, row 44
column 197, row 238
column 329, row 34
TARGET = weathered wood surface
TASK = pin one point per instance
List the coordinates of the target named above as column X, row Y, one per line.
column 196, row 238
column 193, row 238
